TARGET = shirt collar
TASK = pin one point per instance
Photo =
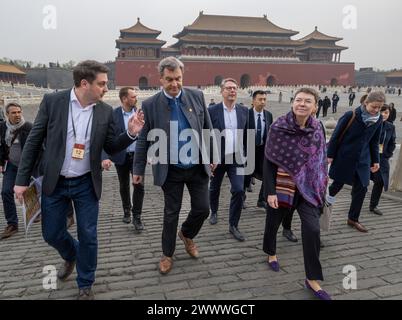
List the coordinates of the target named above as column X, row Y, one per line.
column 257, row 113
column 128, row 113
column 73, row 98
column 225, row 107
column 172, row 98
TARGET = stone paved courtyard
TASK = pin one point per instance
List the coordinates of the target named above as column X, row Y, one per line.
column 226, row 269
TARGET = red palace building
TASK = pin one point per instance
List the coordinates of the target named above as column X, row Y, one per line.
column 252, row 50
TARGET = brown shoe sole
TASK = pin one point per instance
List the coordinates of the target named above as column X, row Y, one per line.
column 9, row 234
column 191, row 253
column 166, row 265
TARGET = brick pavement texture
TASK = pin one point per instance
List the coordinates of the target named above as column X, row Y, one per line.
column 226, row 269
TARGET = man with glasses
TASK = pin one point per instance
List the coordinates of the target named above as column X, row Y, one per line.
column 228, row 117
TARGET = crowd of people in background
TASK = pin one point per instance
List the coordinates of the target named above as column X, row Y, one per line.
column 81, row 135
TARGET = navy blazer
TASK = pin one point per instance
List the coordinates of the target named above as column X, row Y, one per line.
column 388, row 137
column 260, row 150
column 157, row 113
column 218, row 122
column 358, row 150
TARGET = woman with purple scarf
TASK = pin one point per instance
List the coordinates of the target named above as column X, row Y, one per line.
column 296, row 177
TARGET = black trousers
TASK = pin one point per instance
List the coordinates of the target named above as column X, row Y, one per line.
column 196, row 181
column 310, row 229
column 377, row 189
column 358, row 195
column 287, row 219
column 124, row 173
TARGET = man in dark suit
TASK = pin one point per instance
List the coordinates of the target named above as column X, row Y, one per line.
column 74, row 126
column 259, row 120
column 229, row 118
column 169, row 115
column 124, row 160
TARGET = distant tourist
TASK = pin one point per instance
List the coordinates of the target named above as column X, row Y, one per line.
column 325, row 106
column 280, row 97
column 352, row 98
column 335, row 100
column 392, row 113
column 212, row 103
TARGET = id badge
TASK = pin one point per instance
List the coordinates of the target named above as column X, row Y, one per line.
column 381, row 148
column 79, row 151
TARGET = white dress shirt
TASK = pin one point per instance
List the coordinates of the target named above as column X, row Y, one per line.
column 83, row 126
column 262, row 122
column 231, row 145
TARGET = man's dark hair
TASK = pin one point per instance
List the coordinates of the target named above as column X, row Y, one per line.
column 88, row 70
column 257, row 92
column 12, row 104
column 124, row 92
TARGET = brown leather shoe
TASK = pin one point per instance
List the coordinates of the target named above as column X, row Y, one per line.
column 86, row 294
column 357, row 225
column 190, row 246
column 165, row 265
column 9, row 231
column 66, row 270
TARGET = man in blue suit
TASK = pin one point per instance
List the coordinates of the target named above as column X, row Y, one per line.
column 230, row 117
column 260, row 120
column 124, row 160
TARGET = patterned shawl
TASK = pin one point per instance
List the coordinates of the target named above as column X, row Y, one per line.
column 302, row 154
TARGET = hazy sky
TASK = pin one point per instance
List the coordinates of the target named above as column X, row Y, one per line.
column 88, row 28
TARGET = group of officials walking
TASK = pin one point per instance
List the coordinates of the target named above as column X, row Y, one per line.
column 76, row 135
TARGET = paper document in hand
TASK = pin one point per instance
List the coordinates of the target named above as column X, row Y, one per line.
column 31, row 207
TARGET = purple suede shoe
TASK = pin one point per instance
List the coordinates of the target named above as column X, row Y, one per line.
column 320, row 294
column 274, row 265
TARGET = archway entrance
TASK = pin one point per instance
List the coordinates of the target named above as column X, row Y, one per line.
column 271, row 81
column 245, row 81
column 218, row 80
column 143, row 83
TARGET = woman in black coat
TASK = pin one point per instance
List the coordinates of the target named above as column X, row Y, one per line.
column 354, row 151
column 387, row 147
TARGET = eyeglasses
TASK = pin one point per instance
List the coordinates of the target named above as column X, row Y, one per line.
column 230, row 88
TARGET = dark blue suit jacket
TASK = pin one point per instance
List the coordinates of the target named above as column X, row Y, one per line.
column 388, row 137
column 260, row 150
column 358, row 150
column 218, row 122
column 119, row 127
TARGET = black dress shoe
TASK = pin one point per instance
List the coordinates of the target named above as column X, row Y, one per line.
column 376, row 211
column 127, row 216
column 86, row 294
column 66, row 270
column 236, row 233
column 137, row 223
column 213, row 219
column 288, row 234
column 262, row 204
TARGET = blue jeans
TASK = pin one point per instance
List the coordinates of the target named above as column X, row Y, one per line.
column 7, row 194
column 237, row 191
column 54, row 225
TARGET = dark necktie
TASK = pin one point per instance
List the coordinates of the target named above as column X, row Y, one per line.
column 258, row 140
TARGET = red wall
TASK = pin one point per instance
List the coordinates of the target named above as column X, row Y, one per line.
column 204, row 73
